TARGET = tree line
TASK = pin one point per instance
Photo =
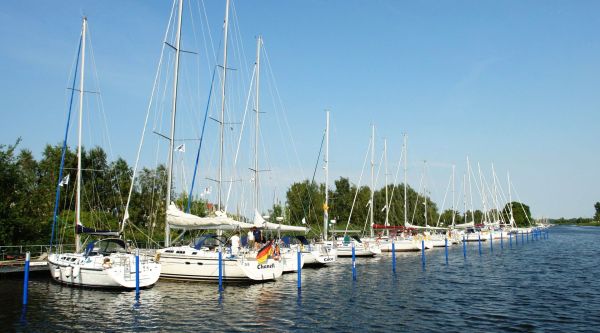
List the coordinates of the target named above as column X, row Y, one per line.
column 29, row 190
column 305, row 201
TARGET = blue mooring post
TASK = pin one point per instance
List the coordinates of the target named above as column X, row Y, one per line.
column 393, row 257
column 479, row 243
column 26, row 278
column 137, row 273
column 491, row 242
column 527, row 233
column 446, row 249
column 353, row 263
column 220, row 270
column 423, row 253
column 299, row 269
column 510, row 239
column 547, row 234
column 522, row 238
column 501, row 240
column 464, row 247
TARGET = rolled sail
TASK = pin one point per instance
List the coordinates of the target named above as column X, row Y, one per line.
column 180, row 220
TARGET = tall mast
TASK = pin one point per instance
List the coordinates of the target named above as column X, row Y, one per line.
column 78, row 195
column 465, row 197
column 173, row 113
column 222, row 127
column 483, row 196
column 425, row 190
column 453, row 189
column 405, row 181
column 387, row 208
column 512, row 218
column 326, row 205
column 470, row 191
column 256, row 132
column 495, row 195
column 372, row 177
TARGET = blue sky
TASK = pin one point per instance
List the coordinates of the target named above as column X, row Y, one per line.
column 512, row 83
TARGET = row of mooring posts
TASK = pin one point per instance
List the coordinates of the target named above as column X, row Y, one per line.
column 535, row 235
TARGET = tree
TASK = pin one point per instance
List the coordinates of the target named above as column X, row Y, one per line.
column 521, row 213
column 597, row 215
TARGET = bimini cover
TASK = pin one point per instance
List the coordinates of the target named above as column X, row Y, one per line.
column 260, row 222
column 179, row 220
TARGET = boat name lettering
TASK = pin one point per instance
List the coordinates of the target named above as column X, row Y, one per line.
column 261, row 266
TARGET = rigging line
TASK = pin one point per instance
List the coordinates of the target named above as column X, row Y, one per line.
column 395, row 180
column 417, row 200
column 64, row 148
column 285, row 119
column 240, row 136
column 154, row 86
column 437, row 224
column 358, row 188
column 201, row 139
column 520, row 203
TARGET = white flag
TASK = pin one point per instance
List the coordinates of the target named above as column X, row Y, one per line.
column 304, row 220
column 65, row 181
column 181, row 148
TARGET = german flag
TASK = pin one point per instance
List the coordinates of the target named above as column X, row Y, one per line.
column 264, row 253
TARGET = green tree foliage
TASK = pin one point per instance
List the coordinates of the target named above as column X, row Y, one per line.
column 597, row 215
column 521, row 213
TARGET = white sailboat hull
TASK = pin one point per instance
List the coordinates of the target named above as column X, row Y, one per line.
column 191, row 264
column 401, row 245
column 96, row 272
column 289, row 259
column 318, row 255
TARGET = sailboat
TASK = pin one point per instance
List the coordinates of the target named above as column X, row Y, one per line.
column 401, row 238
column 347, row 244
column 105, row 263
column 207, row 258
column 288, row 255
column 321, row 253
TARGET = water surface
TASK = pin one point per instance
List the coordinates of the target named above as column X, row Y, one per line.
column 540, row 286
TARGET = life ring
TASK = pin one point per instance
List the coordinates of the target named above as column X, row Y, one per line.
column 107, row 263
column 157, row 257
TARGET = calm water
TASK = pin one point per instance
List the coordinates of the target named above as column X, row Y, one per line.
column 544, row 286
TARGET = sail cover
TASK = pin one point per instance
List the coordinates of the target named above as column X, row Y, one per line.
column 465, row 225
column 260, row 222
column 95, row 232
column 180, row 220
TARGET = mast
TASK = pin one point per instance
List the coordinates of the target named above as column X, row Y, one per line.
column 222, row 124
column 465, row 198
column 512, row 218
column 495, row 195
column 326, row 205
column 173, row 113
column 425, row 190
column 471, row 191
column 387, row 208
column 372, row 177
column 81, row 90
column 405, row 180
column 257, row 111
column 483, row 196
column 453, row 189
